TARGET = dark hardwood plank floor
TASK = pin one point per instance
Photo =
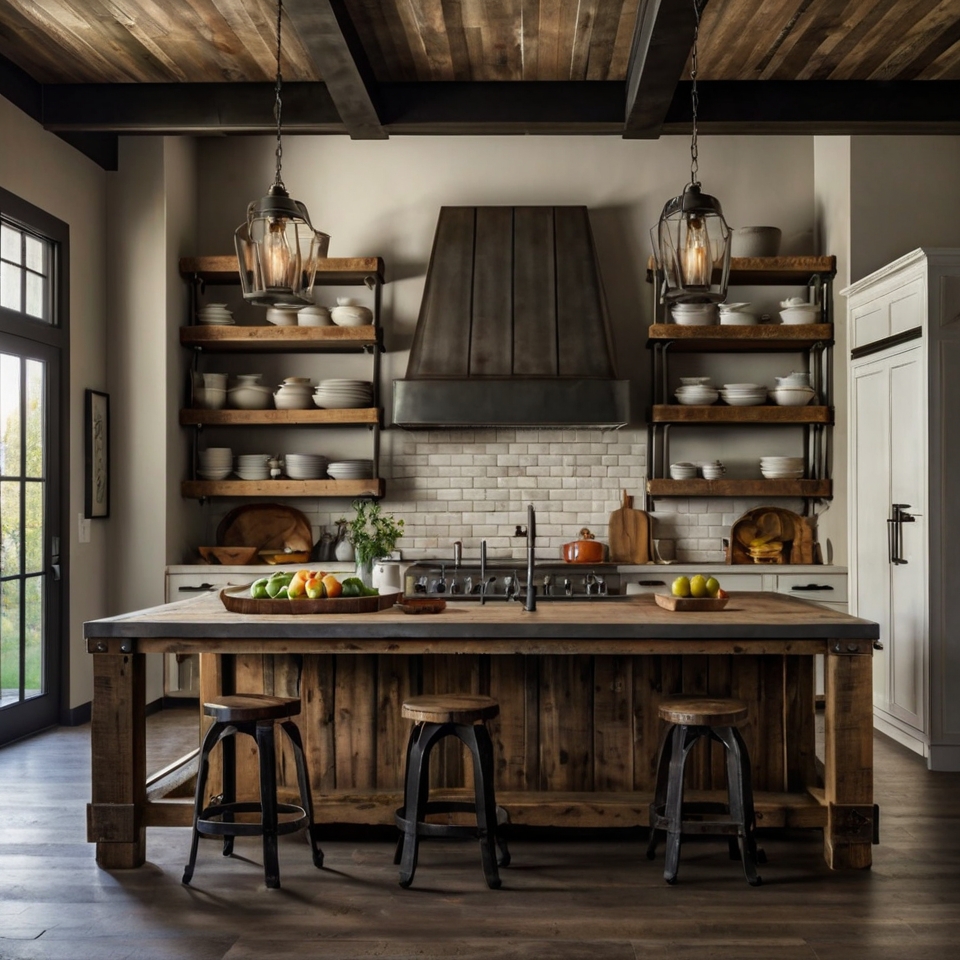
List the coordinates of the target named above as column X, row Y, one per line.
column 592, row 896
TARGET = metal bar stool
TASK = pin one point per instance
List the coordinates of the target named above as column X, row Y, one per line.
column 436, row 717
column 255, row 715
column 691, row 718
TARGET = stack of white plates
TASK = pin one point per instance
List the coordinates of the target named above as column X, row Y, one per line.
column 254, row 466
column 350, row 469
column 216, row 463
column 305, row 466
column 344, row 394
column 697, row 394
column 216, row 314
column 781, row 468
column 744, row 394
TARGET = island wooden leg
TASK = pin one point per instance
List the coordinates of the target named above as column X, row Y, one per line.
column 848, row 757
column 118, row 757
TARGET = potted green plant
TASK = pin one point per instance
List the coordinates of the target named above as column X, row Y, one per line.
column 373, row 534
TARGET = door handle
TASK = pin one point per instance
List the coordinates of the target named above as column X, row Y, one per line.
column 898, row 517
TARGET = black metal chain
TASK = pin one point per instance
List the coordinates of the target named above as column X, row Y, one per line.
column 694, row 96
column 278, row 103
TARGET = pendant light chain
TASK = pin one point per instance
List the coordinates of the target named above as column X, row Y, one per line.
column 278, row 103
column 694, row 96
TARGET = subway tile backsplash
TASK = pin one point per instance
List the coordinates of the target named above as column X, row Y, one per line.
column 474, row 485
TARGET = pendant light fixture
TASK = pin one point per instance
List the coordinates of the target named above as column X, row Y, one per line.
column 691, row 241
column 277, row 246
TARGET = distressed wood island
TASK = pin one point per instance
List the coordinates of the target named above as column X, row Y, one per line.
column 579, row 684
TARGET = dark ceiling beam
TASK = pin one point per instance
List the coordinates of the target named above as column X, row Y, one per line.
column 188, row 108
column 811, row 107
column 24, row 92
column 661, row 45
column 331, row 40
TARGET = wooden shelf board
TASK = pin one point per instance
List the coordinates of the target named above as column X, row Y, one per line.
column 772, row 271
column 197, row 489
column 718, row 338
column 330, row 270
column 225, row 418
column 664, row 487
column 689, row 413
column 270, row 338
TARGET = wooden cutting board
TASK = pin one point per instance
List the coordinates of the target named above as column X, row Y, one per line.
column 796, row 533
column 629, row 534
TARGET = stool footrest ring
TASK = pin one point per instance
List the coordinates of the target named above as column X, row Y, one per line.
column 440, row 829
column 230, row 828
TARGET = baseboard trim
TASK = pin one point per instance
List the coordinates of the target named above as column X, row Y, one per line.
column 181, row 703
column 76, row 716
column 944, row 757
column 894, row 732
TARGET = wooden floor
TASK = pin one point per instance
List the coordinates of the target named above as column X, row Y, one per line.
column 581, row 898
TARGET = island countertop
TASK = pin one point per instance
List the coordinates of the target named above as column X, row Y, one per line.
column 579, row 685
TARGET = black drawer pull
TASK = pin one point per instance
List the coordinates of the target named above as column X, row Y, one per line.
column 203, row 586
column 813, row 586
column 651, row 583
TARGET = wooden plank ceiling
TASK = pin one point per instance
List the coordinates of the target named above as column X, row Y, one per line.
column 370, row 68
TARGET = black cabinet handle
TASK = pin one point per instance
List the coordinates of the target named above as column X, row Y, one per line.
column 203, row 586
column 651, row 583
column 812, row 586
column 898, row 517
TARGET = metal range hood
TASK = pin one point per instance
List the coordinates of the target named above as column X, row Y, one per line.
column 513, row 327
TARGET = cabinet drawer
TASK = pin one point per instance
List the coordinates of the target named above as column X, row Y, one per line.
column 186, row 585
column 660, row 583
column 826, row 588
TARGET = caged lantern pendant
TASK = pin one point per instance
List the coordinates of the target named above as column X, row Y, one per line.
column 691, row 241
column 277, row 246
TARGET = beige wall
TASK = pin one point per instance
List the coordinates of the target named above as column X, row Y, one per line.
column 45, row 171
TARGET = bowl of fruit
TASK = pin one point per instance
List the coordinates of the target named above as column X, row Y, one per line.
column 694, row 593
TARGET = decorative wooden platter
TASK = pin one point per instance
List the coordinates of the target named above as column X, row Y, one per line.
column 269, row 526
column 238, row 600
column 669, row 602
column 228, row 555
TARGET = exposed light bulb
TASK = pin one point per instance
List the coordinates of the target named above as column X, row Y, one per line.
column 697, row 263
column 281, row 264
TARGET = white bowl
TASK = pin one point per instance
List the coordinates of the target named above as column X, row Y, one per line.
column 737, row 319
column 791, row 396
column 280, row 317
column 801, row 313
column 216, row 380
column 349, row 315
column 702, row 398
column 314, row 317
column 249, row 396
column 291, row 402
column 213, row 398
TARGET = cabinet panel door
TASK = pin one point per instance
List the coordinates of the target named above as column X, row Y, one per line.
column 870, row 488
column 907, row 307
column 908, row 581
column 870, row 322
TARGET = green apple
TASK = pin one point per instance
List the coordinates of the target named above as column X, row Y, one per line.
column 698, row 586
column 713, row 586
column 681, row 587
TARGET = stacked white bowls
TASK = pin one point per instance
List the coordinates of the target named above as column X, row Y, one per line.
column 712, row 469
column 215, row 314
column 781, row 468
column 795, row 310
column 343, row 394
column 697, row 394
column 744, row 394
column 282, row 316
column 791, row 396
column 305, row 466
column 694, row 314
column 254, row 466
column 348, row 313
column 683, row 470
column 248, row 393
column 216, row 463
column 295, row 393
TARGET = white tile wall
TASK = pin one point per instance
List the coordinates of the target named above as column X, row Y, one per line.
column 474, row 485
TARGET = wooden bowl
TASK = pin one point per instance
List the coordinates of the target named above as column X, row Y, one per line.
column 421, row 605
column 229, row 555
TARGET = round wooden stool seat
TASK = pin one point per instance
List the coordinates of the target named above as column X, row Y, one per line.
column 450, row 708
column 703, row 711
column 251, row 707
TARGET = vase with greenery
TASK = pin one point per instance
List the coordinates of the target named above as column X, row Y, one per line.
column 373, row 534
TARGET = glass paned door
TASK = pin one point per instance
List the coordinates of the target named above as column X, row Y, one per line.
column 29, row 549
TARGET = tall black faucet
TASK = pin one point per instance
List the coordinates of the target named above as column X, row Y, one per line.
column 531, row 603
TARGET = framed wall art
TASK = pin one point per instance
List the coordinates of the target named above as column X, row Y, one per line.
column 96, row 446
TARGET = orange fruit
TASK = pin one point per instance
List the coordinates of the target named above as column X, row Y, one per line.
column 332, row 585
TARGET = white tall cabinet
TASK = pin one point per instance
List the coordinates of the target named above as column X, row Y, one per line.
column 904, row 482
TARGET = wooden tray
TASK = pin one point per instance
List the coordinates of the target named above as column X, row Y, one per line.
column 669, row 602
column 238, row 600
column 421, row 605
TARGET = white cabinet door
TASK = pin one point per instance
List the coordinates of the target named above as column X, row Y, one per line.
column 887, row 466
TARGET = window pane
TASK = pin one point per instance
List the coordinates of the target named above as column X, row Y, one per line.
column 36, row 254
column 36, row 305
column 10, row 287
column 33, row 529
column 10, row 243
column 9, row 528
column 33, row 634
column 35, row 418
column 10, row 416
column 9, row 642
